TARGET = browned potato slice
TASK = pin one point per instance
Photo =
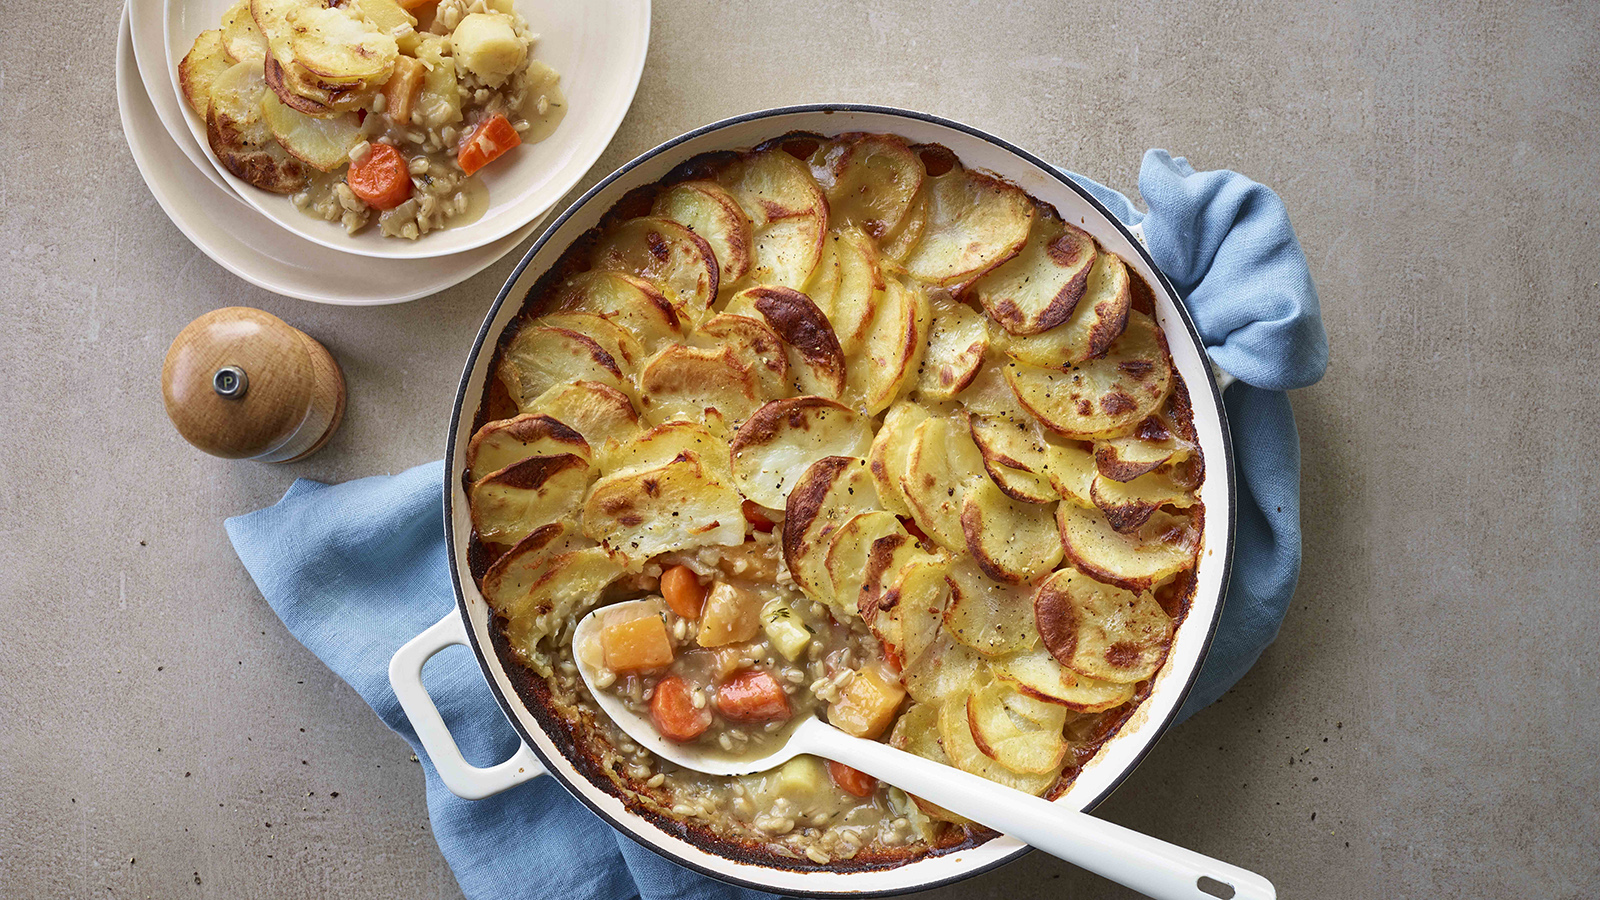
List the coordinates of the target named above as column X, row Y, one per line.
column 1016, row 455
column 683, row 382
column 1098, row 319
column 1037, row 674
column 827, row 495
column 508, row 441
column 1099, row 630
column 540, row 357
column 955, row 734
column 683, row 504
column 957, row 341
column 975, row 222
column 339, row 46
column 663, row 444
column 947, row 667
column 870, row 180
column 286, row 77
column 599, row 412
column 785, row 437
column 990, row 617
column 887, row 364
column 707, row 209
column 757, row 346
column 1100, row 398
column 571, row 584
column 815, row 358
column 1039, row 288
column 507, row 505
column 240, row 37
column 848, row 286
column 295, row 95
column 1152, row 445
column 1016, row 743
column 627, row 300
column 238, row 133
column 510, row 579
column 917, row 731
column 1032, row 712
column 200, row 67
column 898, row 244
column 941, row 464
column 887, row 458
column 322, row 142
column 676, row 260
column 614, row 339
column 788, row 216
column 1129, row 505
column 861, row 553
column 1164, row 545
column 1011, row 540
column 896, row 573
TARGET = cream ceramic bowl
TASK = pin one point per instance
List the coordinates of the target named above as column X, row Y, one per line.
column 471, row 623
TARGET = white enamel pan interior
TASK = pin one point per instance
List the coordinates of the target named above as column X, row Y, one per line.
column 977, row 150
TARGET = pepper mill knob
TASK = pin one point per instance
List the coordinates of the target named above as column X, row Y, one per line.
column 243, row 384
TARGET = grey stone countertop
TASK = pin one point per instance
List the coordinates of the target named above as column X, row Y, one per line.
column 1425, row 725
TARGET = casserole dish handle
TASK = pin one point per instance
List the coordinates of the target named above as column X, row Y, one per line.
column 465, row 780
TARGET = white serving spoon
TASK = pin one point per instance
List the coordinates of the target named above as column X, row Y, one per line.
column 1152, row 867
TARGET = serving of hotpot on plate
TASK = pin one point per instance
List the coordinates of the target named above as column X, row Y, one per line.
column 544, row 736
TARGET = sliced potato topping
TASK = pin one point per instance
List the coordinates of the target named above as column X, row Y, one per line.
column 1097, row 319
column 1099, row 630
column 681, row 505
column 828, row 494
column 1040, row 287
column 788, row 216
column 1100, row 398
column 507, row 505
column 508, row 441
column 974, row 223
column 1162, row 546
column 678, row 262
column 781, row 441
column 707, row 209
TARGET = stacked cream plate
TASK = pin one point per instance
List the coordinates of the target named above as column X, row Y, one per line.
column 597, row 48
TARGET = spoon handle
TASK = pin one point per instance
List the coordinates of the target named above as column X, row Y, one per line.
column 1145, row 864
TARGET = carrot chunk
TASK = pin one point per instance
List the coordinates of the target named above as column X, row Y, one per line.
column 854, row 782
column 682, row 590
column 757, row 519
column 753, row 696
column 485, row 144
column 381, row 179
column 673, row 711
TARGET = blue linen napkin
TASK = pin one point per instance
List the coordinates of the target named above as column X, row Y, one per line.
column 357, row 569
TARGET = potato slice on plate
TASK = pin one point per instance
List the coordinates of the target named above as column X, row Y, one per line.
column 541, row 357
column 828, row 494
column 861, row 552
column 1038, row 674
column 1096, row 321
column 1011, row 540
column 756, row 345
column 663, row 444
column 957, row 341
column 1015, row 454
column 785, row 437
column 947, row 667
column 339, row 47
column 941, row 464
column 1039, row 288
column 986, row 615
column 200, row 67
column 683, row 382
column 683, row 504
column 1099, row 630
column 975, row 222
column 815, row 359
column 1100, row 398
column 508, row 441
column 870, row 180
column 1164, row 545
column 238, row 134
column 680, row 263
column 321, row 142
column 631, row 302
column 848, row 286
column 1128, row 505
column 887, row 363
column 707, row 209
column 955, row 734
column 240, row 37
column 599, row 412
column 887, row 458
column 788, row 215
column 508, row 504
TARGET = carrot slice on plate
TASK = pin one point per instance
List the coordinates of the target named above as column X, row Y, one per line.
column 381, row 179
column 493, row 137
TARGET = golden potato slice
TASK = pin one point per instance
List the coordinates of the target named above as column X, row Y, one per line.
column 508, row 504
column 991, row 618
column 501, row 443
column 1011, row 540
column 1152, row 445
column 815, row 359
column 237, row 132
column 757, row 346
column 599, row 412
column 1072, row 473
column 1100, row 398
column 887, row 458
column 955, row 734
column 662, row 445
column 1038, row 289
column 898, row 244
column 870, row 180
column 682, row 382
column 1099, row 630
column 200, row 67
column 676, row 260
column 941, row 464
column 709, row 210
column 1096, row 321
column 848, row 286
column 917, row 732
column 339, row 47
column 295, row 94
column 923, row 594
column 1037, row 674
column 632, row 303
column 828, row 494
column 1164, row 545
column 861, row 553
column 322, row 142
column 788, row 215
column 283, row 74
column 570, row 585
column 540, row 357
column 887, row 363
column 947, row 667
column 509, row 581
column 1128, row 505
column 785, row 437
column 898, row 572
column 1016, row 743
column 1031, row 712
column 614, row 339
column 240, row 37
column 989, row 394
column 957, row 341
column 681, row 505
column 1016, row 455
column 975, row 222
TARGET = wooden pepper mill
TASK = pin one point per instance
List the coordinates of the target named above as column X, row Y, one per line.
column 243, row 384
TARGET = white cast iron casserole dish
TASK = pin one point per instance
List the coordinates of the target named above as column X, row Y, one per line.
column 471, row 623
